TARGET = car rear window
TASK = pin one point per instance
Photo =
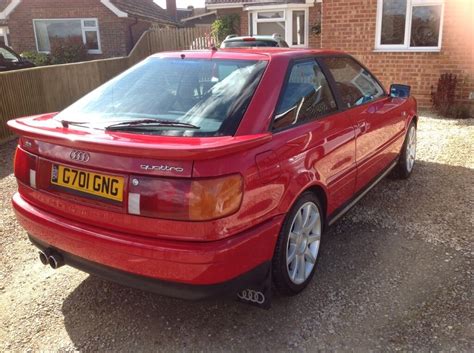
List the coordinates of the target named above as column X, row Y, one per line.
column 250, row 43
column 210, row 94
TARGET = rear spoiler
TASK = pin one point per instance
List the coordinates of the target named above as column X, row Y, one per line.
column 128, row 144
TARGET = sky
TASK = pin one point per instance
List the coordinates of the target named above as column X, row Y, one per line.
column 182, row 4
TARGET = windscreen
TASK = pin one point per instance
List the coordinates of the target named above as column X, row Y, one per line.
column 191, row 97
column 250, row 43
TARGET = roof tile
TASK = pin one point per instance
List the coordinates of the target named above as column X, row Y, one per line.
column 146, row 9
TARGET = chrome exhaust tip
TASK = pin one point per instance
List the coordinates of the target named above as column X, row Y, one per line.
column 44, row 258
column 56, row 261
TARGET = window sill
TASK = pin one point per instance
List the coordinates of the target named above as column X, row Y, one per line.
column 406, row 50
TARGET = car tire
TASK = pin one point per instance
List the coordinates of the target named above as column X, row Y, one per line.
column 296, row 252
column 406, row 161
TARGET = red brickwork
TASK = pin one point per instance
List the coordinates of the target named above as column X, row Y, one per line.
column 114, row 31
column 314, row 24
column 350, row 26
column 243, row 15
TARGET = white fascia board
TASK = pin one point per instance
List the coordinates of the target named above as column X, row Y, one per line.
column 199, row 16
column 114, row 8
column 9, row 9
column 278, row 7
column 224, row 6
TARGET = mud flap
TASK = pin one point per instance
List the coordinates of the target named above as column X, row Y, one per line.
column 259, row 294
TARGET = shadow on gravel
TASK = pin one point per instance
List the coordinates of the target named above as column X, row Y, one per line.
column 377, row 287
column 7, row 152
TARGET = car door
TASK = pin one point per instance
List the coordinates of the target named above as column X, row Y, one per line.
column 377, row 122
column 313, row 139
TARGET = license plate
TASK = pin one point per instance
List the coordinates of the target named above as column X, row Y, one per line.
column 105, row 186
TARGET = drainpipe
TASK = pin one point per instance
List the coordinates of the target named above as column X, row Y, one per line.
column 130, row 33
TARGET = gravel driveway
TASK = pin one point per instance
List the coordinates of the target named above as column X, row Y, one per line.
column 396, row 274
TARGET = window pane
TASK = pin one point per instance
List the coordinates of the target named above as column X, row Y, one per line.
column 393, row 22
column 355, row 84
column 212, row 94
column 298, row 28
column 270, row 28
column 306, row 96
column 425, row 26
column 47, row 30
column 92, row 43
column 90, row 23
column 269, row 15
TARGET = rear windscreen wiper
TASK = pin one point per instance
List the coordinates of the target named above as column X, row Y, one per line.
column 149, row 123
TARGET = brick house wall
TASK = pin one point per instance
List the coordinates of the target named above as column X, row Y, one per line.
column 134, row 29
column 114, row 31
column 314, row 21
column 243, row 15
column 350, row 26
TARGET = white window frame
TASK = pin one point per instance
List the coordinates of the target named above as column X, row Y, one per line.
column 4, row 34
column 84, row 29
column 405, row 47
column 287, row 18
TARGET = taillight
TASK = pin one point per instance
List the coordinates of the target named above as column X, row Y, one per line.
column 25, row 167
column 185, row 199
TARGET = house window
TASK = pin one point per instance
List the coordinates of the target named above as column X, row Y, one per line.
column 409, row 25
column 289, row 23
column 4, row 35
column 87, row 30
column 270, row 22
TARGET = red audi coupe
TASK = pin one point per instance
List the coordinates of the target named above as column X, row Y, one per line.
column 215, row 172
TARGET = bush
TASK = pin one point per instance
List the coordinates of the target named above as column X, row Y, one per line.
column 68, row 50
column 39, row 59
column 444, row 98
column 459, row 111
column 224, row 26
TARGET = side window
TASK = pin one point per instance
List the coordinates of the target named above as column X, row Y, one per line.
column 355, row 84
column 306, row 96
column 7, row 56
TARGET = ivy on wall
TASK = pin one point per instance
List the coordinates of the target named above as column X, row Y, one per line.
column 224, row 26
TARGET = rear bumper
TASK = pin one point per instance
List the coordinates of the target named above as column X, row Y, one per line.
column 251, row 278
column 205, row 268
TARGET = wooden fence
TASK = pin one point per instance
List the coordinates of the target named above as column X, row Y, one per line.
column 52, row 88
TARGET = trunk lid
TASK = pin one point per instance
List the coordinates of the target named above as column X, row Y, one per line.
column 115, row 160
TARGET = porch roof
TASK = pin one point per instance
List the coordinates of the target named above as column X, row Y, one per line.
column 253, row 2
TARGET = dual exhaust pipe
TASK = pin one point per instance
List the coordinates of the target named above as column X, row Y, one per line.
column 51, row 258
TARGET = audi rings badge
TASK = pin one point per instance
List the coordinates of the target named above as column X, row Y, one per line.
column 252, row 296
column 80, row 156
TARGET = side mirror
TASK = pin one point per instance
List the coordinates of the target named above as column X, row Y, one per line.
column 399, row 91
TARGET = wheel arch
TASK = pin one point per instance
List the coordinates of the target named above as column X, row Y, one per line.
column 306, row 182
column 321, row 195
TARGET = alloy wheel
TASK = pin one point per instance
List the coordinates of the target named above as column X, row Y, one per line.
column 411, row 149
column 303, row 242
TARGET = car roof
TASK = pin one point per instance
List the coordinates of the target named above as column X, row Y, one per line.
column 257, row 37
column 253, row 53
